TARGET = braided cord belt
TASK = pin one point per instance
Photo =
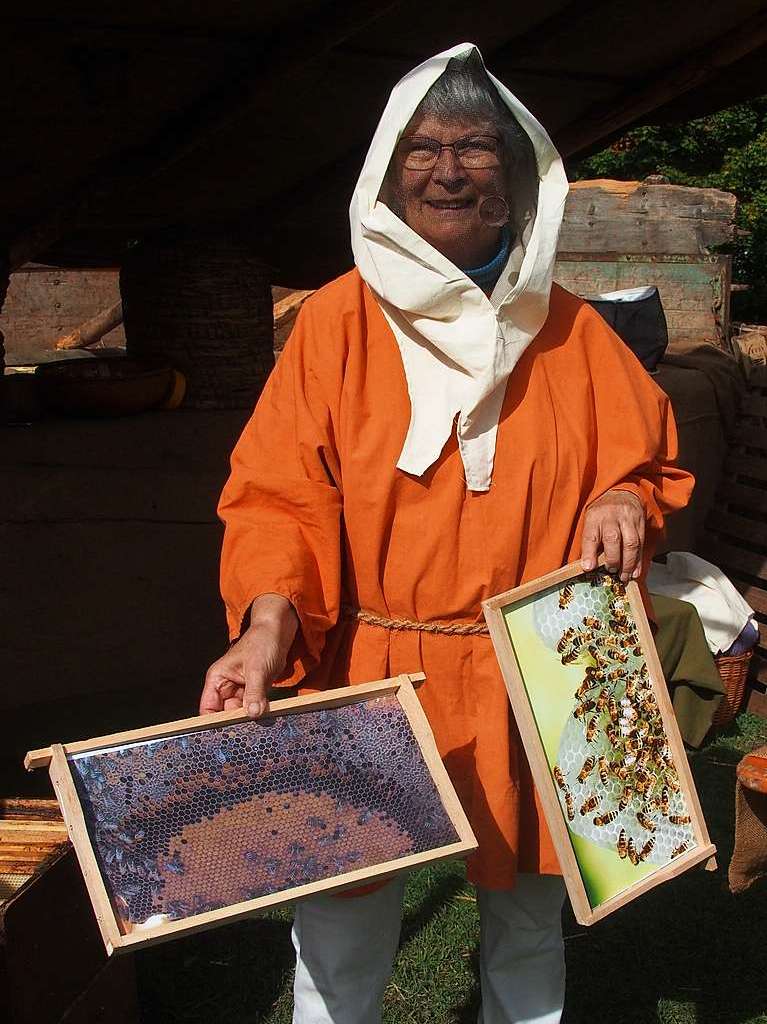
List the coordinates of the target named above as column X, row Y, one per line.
column 409, row 625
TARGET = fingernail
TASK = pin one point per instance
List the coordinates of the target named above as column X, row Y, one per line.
column 587, row 564
column 254, row 710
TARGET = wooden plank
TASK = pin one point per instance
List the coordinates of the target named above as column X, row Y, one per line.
column 755, row 596
column 729, row 558
column 747, row 465
column 754, row 531
column 12, row 808
column 743, row 496
column 61, row 777
column 750, row 437
column 326, row 699
column 694, row 69
column 632, row 216
column 694, row 292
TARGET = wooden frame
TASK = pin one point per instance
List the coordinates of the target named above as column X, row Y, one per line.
column 586, row 910
column 118, row 938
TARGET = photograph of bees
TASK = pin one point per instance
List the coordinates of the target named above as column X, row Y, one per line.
column 617, row 778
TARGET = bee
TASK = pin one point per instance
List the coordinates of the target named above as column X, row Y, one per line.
column 570, row 656
column 612, row 709
column 664, row 798
column 604, row 695
column 591, row 729
column 587, row 684
column 642, row 728
column 625, row 798
column 565, row 595
column 646, row 850
column 616, row 673
column 644, row 672
column 591, row 623
column 631, row 744
column 612, row 734
column 567, row 636
column 605, row 819
column 631, row 686
column 569, row 805
column 645, row 822
column 679, row 849
column 604, row 771
column 595, row 673
column 679, row 819
column 559, row 778
column 622, row 845
column 673, row 781
column 648, row 702
column 589, row 804
column 637, row 652
column 588, row 767
column 643, row 757
column 616, row 654
column 633, row 855
column 583, row 709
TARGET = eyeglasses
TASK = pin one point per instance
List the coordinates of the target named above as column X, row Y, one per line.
column 474, row 152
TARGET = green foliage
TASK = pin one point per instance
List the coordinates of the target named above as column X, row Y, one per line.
column 726, row 150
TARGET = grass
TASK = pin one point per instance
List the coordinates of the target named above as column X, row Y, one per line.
column 686, row 953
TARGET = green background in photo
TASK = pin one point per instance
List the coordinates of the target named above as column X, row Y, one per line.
column 550, row 687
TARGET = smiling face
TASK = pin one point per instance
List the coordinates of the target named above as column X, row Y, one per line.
column 442, row 203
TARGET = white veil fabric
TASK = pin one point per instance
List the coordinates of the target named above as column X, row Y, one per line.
column 458, row 346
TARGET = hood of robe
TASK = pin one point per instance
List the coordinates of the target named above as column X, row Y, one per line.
column 458, row 346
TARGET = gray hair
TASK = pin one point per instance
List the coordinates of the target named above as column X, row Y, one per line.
column 464, row 91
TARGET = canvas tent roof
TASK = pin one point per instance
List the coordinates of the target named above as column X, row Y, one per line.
column 118, row 119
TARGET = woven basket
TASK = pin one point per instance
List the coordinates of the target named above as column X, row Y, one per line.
column 734, row 670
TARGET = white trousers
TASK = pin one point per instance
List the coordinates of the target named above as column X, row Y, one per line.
column 345, row 949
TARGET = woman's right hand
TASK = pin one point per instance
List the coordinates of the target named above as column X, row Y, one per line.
column 243, row 675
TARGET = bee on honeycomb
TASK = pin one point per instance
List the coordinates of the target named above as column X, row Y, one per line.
column 615, row 725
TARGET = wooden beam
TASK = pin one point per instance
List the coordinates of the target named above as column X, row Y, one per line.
column 604, row 120
column 94, row 329
column 248, row 80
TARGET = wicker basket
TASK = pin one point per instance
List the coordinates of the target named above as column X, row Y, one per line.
column 734, row 670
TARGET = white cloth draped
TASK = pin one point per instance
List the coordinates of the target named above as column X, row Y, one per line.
column 458, row 346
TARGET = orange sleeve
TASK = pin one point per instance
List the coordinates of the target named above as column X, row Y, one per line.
column 281, row 505
column 635, row 436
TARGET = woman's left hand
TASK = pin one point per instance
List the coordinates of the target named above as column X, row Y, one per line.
column 615, row 524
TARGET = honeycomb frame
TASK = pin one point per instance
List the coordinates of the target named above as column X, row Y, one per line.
column 190, row 824
column 609, row 762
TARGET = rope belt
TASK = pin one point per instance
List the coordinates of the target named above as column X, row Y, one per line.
column 443, row 628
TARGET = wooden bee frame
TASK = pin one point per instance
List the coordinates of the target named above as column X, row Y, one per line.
column 518, row 620
column 120, row 936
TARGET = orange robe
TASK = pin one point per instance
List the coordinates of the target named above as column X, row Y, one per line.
column 315, row 510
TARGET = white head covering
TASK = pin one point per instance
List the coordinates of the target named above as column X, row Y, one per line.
column 458, row 346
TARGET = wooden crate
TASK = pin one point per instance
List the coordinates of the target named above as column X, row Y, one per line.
column 736, row 537
column 53, row 968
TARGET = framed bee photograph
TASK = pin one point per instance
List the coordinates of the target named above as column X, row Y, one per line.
column 187, row 825
column 588, row 694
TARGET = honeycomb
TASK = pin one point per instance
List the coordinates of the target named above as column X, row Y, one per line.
column 194, row 822
column 615, row 775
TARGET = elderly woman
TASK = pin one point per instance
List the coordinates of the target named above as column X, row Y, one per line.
column 442, row 425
